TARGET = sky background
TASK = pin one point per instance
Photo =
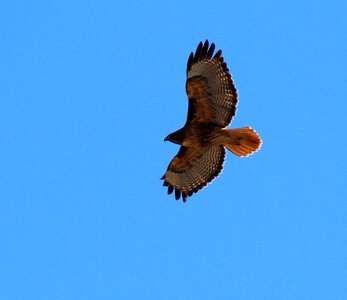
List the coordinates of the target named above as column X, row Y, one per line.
column 89, row 90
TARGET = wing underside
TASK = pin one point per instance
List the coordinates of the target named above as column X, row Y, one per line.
column 187, row 173
column 209, row 87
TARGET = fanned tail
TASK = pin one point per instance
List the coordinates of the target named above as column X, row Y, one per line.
column 243, row 141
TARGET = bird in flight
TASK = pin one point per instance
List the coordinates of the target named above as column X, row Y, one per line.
column 212, row 100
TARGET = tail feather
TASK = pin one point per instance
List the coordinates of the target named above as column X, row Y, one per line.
column 243, row 141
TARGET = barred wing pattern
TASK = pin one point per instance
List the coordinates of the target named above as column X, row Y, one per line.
column 220, row 92
column 199, row 171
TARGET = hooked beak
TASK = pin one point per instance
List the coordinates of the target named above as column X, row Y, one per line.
column 166, row 139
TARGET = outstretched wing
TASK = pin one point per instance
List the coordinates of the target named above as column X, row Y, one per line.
column 210, row 89
column 192, row 169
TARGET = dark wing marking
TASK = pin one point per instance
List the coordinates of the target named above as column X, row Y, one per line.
column 192, row 169
column 210, row 89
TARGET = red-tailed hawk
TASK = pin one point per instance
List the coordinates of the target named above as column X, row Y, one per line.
column 212, row 100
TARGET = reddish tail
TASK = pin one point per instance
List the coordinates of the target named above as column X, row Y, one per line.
column 242, row 141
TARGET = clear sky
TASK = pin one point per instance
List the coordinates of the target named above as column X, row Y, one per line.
column 90, row 89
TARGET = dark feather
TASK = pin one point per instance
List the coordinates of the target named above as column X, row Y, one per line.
column 210, row 51
column 190, row 62
column 177, row 194
column 218, row 54
column 184, row 197
column 204, row 50
column 197, row 53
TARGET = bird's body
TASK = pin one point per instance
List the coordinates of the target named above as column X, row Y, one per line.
column 212, row 104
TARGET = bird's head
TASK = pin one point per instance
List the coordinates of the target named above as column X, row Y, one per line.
column 169, row 138
column 174, row 137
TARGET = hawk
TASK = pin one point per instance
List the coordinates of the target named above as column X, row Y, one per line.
column 212, row 100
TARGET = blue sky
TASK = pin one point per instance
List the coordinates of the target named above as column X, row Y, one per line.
column 89, row 90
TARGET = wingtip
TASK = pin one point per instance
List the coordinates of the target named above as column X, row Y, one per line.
column 197, row 52
column 218, row 54
column 177, row 194
column 190, row 61
column 170, row 189
column 210, row 51
column 204, row 50
column 184, row 196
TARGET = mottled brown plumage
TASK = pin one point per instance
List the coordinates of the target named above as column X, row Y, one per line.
column 212, row 100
